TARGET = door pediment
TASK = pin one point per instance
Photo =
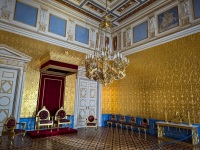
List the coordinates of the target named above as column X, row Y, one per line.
column 10, row 53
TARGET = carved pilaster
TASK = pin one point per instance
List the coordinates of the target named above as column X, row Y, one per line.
column 5, row 9
column 128, row 37
column 185, row 12
column 43, row 19
column 71, row 30
column 92, row 38
column 152, row 26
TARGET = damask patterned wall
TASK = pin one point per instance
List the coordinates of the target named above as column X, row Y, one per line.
column 162, row 77
column 37, row 49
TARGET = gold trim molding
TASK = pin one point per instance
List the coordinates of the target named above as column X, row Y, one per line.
column 61, row 57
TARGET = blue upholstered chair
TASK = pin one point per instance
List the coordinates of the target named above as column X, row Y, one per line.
column 121, row 122
column 112, row 120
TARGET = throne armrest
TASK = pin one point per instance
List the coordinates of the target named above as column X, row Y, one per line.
column 23, row 125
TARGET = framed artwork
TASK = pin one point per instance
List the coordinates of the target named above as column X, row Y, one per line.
column 114, row 43
column 57, row 25
column 107, row 41
column 140, row 32
column 82, row 34
column 25, row 14
column 168, row 19
column 196, row 6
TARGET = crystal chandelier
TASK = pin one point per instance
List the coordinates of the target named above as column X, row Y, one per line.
column 106, row 64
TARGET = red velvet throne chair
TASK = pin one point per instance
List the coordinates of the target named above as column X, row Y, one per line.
column 9, row 129
column 43, row 118
column 91, row 121
column 61, row 118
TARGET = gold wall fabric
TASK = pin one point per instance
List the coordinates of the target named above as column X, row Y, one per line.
column 163, row 77
column 36, row 49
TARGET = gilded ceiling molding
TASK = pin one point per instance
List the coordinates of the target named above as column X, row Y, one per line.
column 61, row 57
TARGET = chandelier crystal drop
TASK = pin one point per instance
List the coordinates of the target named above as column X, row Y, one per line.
column 106, row 64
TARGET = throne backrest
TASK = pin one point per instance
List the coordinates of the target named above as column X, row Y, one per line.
column 9, row 124
column 61, row 114
column 91, row 118
column 113, row 117
column 145, row 121
column 43, row 114
column 122, row 118
column 132, row 120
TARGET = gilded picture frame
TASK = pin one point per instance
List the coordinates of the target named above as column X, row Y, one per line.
column 168, row 19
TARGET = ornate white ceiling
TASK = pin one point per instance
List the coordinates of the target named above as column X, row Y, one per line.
column 119, row 10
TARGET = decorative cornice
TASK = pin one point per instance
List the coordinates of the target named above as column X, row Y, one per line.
column 41, row 37
column 62, row 57
column 163, row 40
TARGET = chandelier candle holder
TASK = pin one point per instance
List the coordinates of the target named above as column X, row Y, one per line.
column 105, row 65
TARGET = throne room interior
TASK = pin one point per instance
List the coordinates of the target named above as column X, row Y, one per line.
column 160, row 38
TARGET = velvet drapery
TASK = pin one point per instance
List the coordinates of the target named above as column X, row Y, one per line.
column 51, row 92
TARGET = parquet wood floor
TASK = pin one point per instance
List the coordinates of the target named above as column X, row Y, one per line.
column 104, row 138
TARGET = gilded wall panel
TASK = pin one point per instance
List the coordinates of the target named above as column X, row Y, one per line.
column 70, row 90
column 37, row 49
column 163, row 77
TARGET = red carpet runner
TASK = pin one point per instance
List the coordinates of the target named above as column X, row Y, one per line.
column 47, row 132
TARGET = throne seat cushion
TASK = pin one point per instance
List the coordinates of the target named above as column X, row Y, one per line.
column 18, row 131
column 113, row 121
column 131, row 124
column 91, row 124
column 146, row 126
column 64, row 120
column 45, row 121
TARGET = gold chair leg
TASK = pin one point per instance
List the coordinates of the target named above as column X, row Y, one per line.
column 12, row 140
column 1, row 139
column 23, row 137
column 37, row 129
column 139, row 131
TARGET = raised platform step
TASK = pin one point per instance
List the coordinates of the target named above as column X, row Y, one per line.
column 47, row 132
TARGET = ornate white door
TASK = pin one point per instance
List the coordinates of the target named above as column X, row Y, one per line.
column 87, row 101
column 7, row 92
